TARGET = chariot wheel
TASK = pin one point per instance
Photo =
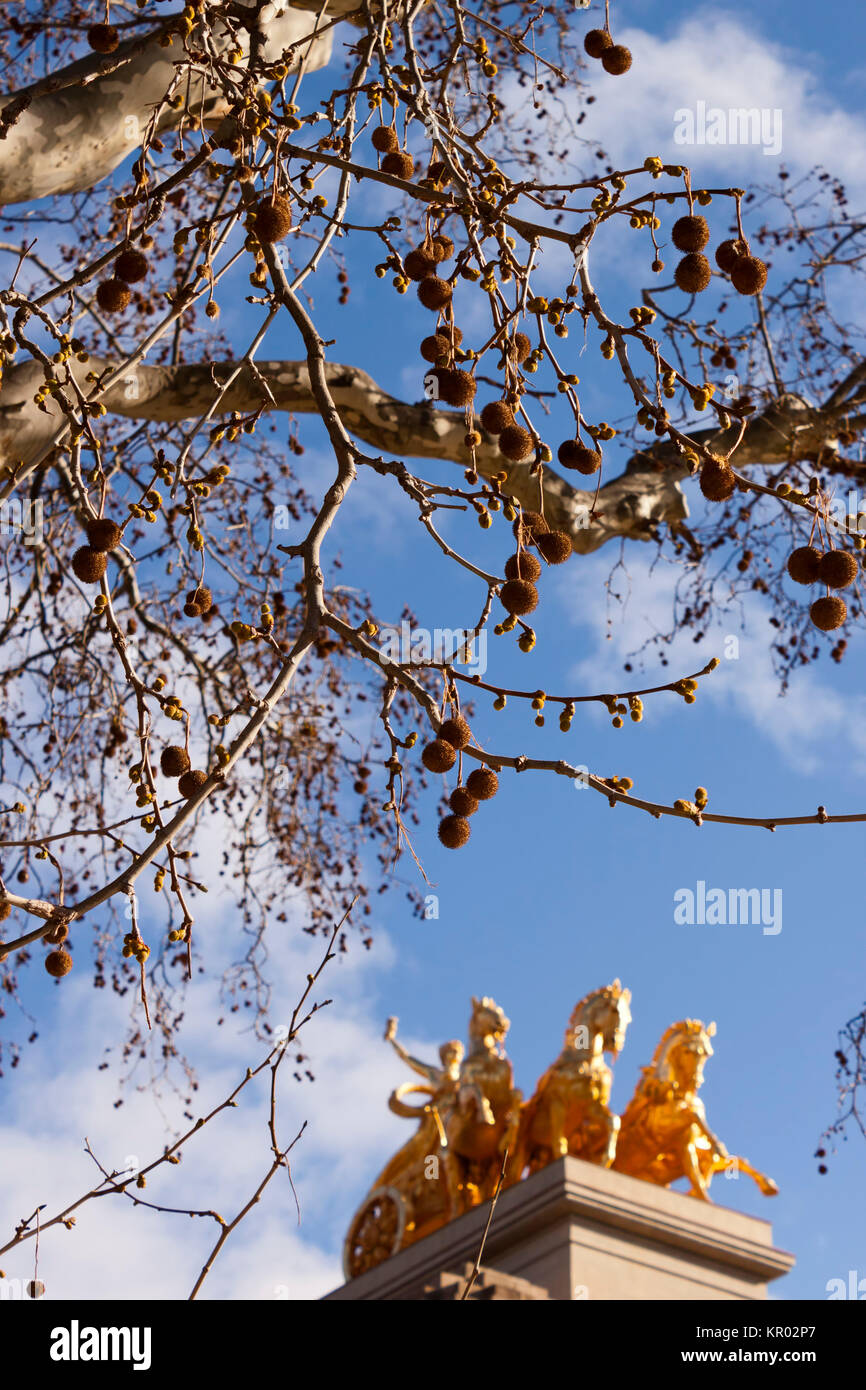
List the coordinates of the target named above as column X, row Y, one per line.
column 376, row 1231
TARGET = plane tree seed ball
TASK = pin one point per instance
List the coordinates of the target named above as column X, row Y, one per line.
column 174, row 761
column 88, row 565
column 439, row 344
column 555, row 547
column 191, row 782
column 103, row 38
column 454, row 831
column 442, row 247
column 803, row 564
column 748, row 275
column 58, row 964
column 130, row 266
column 456, row 387
column 693, row 273
column 518, row 597
column 497, row 416
column 837, row 569
column 523, row 565
column 829, row 613
column 596, row 41
column 728, row 253
column 434, row 293
column 616, row 60
column 400, row 164
column 690, row 233
column 438, row 756
column 200, row 599
column 483, row 783
column 529, row 526
column 522, row 347
column 113, row 296
column 717, row 480
column 272, row 218
column 456, row 732
column 384, row 139
column 103, row 533
column 515, row 443
column 573, row 454
column 462, row 802
column 418, row 265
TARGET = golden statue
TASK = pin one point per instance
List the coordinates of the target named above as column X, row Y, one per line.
column 664, row 1133
column 453, row 1160
column 570, row 1110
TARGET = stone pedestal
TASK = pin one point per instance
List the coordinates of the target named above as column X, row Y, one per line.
column 575, row 1231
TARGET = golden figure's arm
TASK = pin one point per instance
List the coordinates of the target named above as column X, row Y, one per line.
column 432, row 1074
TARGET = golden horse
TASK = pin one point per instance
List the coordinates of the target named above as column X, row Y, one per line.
column 664, row 1133
column 570, row 1110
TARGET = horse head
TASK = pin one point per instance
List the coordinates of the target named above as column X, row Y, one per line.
column 603, row 1012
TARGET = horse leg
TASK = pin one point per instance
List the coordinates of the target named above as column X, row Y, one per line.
column 766, row 1185
column 693, row 1171
column 558, row 1140
column 613, row 1124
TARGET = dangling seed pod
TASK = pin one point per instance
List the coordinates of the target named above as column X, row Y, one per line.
column 434, row 293
column 272, row 218
column 454, row 831
column 103, row 38
column 522, row 347
column 518, row 597
column 837, row 569
column 556, row 547
column 438, row 756
column 497, row 416
column 113, row 296
column 456, row 732
column 616, row 60
column 515, row 443
column 690, row 233
column 441, row 247
column 803, row 564
column 88, row 565
column 103, row 533
column 693, row 273
column 400, row 164
column 131, row 266
column 596, row 41
column 384, row 139
column 198, row 600
column 749, row 275
column 455, row 387
column 528, row 527
column 58, row 964
column 462, row 802
column 728, row 253
column 191, row 782
column 439, row 344
column 419, row 264
column 717, row 480
column 829, row 613
column 174, row 761
column 573, row 454
column 483, row 783
column 523, row 565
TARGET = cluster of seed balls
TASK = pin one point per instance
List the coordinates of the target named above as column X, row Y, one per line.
column 518, row 594
column 835, row 568
column 615, row 57
column 113, row 295
column 693, row 273
column 89, row 561
column 482, row 783
column 174, row 762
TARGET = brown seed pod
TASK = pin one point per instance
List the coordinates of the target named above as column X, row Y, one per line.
column 522, row 347
column 528, row 527
column 455, row 387
column 400, row 164
column 596, row 41
column 456, row 732
column 515, row 443
column 518, row 597
column 103, row 38
column 35, row 1288
column 438, row 756
column 483, row 783
column 497, row 416
column 174, row 761
column 272, row 218
column 555, row 547
column 418, row 265
column 717, row 480
column 829, row 613
column 384, row 139
column 616, row 59
column 748, row 275
column 441, row 247
column 201, row 599
column 523, row 565
column 462, row 802
column 572, row 454
column 693, row 273
column 837, row 569
column 88, row 565
column 728, row 253
column 454, row 831
column 434, row 293
column 191, row 782
column 803, row 564
column 112, row 296
column 131, row 266
column 58, row 963
column 103, row 533
column 690, row 233
column 439, row 344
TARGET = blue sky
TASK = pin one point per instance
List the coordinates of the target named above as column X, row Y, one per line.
column 556, row 894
